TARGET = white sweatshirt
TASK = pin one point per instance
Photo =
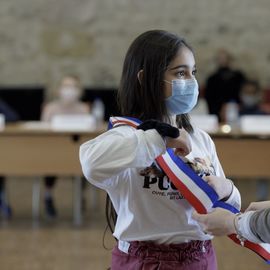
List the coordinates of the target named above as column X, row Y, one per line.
column 148, row 206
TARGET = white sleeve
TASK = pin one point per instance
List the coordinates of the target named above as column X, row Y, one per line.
column 119, row 149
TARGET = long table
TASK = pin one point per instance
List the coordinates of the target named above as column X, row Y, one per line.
column 36, row 151
column 244, row 155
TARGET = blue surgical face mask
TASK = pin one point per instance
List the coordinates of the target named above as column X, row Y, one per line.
column 184, row 96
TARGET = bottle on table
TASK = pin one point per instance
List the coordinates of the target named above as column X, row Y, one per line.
column 232, row 114
column 98, row 111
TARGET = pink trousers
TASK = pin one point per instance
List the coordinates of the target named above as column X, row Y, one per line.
column 196, row 255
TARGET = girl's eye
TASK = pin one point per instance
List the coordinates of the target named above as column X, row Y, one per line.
column 181, row 73
column 194, row 72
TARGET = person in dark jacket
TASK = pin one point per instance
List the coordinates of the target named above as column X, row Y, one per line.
column 223, row 85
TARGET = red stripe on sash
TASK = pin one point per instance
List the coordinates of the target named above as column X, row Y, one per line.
column 125, row 122
column 252, row 246
column 189, row 196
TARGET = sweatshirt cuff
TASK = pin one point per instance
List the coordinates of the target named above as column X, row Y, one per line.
column 234, row 199
column 244, row 227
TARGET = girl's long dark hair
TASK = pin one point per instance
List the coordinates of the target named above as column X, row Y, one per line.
column 144, row 98
column 151, row 53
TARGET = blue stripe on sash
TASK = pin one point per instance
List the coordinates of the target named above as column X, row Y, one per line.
column 211, row 193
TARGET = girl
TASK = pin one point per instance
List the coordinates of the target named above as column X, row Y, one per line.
column 153, row 222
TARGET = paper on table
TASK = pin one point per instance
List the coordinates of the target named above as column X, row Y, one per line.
column 208, row 123
column 255, row 124
column 73, row 122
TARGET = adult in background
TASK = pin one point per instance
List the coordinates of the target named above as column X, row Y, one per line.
column 67, row 102
column 223, row 85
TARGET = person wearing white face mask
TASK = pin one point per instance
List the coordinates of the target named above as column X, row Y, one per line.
column 250, row 98
column 68, row 100
column 69, row 94
column 67, row 103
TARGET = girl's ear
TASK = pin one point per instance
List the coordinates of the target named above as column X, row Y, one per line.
column 140, row 76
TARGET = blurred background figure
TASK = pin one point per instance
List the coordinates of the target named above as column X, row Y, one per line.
column 223, row 85
column 10, row 116
column 250, row 104
column 265, row 106
column 250, row 98
column 67, row 103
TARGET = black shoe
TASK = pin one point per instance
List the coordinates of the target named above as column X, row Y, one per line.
column 50, row 208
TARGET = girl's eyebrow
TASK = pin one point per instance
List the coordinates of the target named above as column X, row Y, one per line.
column 181, row 66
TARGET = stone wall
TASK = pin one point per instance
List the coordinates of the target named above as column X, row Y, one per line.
column 42, row 39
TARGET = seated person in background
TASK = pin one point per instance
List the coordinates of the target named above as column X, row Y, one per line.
column 250, row 98
column 10, row 116
column 253, row 225
column 67, row 102
column 250, row 101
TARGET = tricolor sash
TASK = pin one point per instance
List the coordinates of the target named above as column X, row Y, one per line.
column 195, row 190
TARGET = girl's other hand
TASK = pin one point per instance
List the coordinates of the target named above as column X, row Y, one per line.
column 221, row 185
column 182, row 144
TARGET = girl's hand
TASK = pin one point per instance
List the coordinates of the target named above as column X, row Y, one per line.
column 258, row 206
column 219, row 222
column 175, row 138
column 222, row 186
column 182, row 144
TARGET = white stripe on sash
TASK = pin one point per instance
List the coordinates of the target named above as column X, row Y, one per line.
column 193, row 188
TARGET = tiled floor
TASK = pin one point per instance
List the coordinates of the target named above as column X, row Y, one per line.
column 59, row 245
